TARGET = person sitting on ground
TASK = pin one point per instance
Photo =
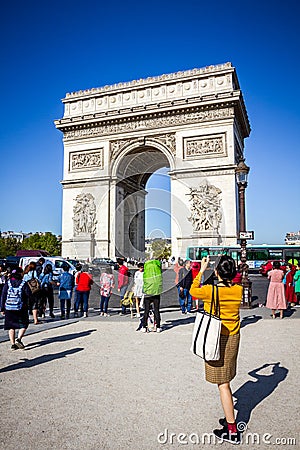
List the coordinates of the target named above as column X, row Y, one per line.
column 66, row 285
column 15, row 300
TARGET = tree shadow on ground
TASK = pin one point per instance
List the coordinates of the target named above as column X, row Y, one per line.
column 63, row 338
column 27, row 363
column 251, row 393
column 249, row 320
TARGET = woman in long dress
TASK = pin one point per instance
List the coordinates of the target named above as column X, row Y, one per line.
column 276, row 298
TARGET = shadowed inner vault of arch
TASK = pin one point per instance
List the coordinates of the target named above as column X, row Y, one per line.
column 134, row 170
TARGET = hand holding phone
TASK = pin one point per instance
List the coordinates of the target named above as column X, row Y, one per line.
column 204, row 263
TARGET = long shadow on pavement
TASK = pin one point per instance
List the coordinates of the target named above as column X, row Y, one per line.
column 63, row 338
column 249, row 320
column 251, row 393
column 168, row 324
column 27, row 363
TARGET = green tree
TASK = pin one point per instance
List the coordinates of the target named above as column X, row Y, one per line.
column 9, row 246
column 161, row 249
column 47, row 241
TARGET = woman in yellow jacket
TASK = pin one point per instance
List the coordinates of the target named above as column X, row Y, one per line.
column 221, row 372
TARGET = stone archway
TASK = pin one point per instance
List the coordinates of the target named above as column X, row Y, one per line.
column 115, row 137
column 132, row 170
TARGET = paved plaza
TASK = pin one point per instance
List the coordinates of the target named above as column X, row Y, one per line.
column 97, row 383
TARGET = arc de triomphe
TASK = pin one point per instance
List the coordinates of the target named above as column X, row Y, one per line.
column 115, row 137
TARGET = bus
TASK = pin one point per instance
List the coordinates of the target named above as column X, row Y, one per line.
column 256, row 254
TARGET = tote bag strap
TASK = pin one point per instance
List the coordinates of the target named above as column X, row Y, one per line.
column 209, row 320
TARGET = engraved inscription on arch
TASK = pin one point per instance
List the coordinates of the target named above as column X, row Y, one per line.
column 91, row 159
column 205, row 146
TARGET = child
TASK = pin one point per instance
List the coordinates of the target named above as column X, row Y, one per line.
column 138, row 287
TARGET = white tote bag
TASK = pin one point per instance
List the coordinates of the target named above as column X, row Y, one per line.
column 206, row 333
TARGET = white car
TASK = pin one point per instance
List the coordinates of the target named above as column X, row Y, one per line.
column 57, row 263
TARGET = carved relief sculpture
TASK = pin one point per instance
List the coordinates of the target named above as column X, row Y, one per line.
column 204, row 146
column 205, row 208
column 84, row 218
column 86, row 160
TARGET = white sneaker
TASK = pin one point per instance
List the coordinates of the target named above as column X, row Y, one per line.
column 158, row 330
column 138, row 315
column 85, row 314
column 144, row 330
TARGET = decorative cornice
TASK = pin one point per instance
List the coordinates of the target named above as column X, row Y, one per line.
column 148, row 122
column 151, row 80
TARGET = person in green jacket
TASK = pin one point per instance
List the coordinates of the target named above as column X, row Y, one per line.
column 152, row 288
column 297, row 283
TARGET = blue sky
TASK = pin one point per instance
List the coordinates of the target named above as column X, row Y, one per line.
column 53, row 47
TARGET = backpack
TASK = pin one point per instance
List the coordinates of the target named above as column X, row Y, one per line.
column 34, row 284
column 128, row 299
column 14, row 297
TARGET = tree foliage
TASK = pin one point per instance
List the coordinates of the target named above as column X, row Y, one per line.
column 47, row 241
column 161, row 249
column 9, row 246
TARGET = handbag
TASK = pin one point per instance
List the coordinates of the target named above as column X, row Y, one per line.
column 207, row 331
column 34, row 284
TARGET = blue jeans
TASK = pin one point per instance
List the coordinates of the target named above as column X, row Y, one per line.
column 104, row 303
column 123, row 290
column 82, row 296
column 185, row 302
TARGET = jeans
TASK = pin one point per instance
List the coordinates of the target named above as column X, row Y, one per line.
column 123, row 290
column 63, row 302
column 78, row 303
column 185, row 302
column 155, row 299
column 47, row 294
column 82, row 296
column 104, row 303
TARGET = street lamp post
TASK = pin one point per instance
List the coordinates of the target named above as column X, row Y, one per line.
column 241, row 172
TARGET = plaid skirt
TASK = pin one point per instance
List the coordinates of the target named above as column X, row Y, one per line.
column 224, row 370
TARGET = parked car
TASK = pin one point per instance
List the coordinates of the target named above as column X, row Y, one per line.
column 12, row 262
column 57, row 263
column 267, row 266
column 103, row 261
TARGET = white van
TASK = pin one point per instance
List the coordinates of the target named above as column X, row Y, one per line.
column 57, row 263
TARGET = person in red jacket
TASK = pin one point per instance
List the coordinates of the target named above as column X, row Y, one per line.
column 123, row 281
column 84, row 283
